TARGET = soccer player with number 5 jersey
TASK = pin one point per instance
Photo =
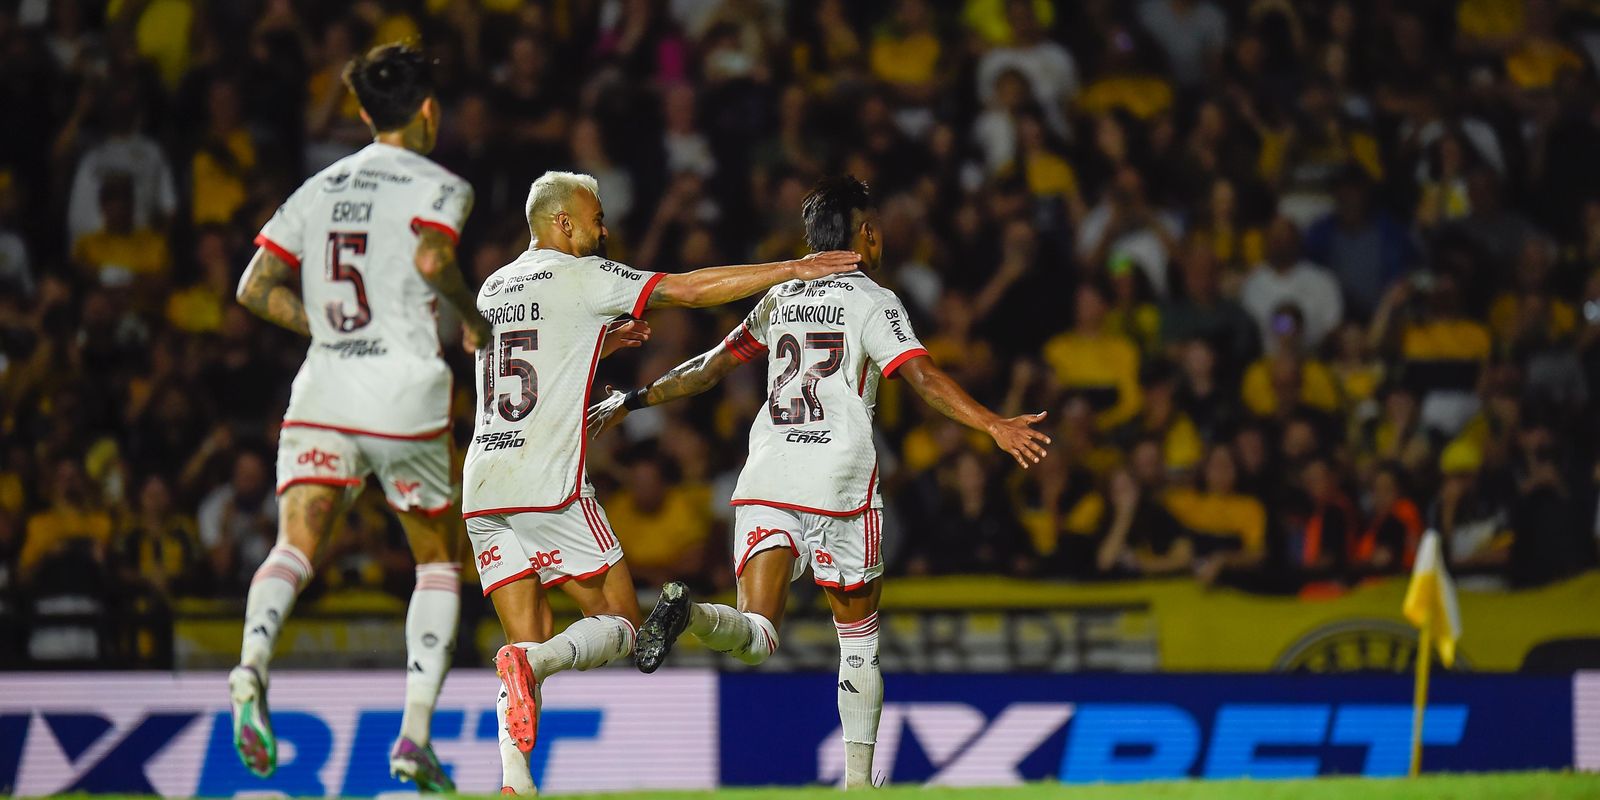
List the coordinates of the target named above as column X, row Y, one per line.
column 808, row 495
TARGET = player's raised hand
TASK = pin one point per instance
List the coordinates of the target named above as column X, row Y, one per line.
column 608, row 413
column 1017, row 437
column 625, row 334
column 820, row 265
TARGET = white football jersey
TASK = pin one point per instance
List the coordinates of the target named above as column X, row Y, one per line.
column 374, row 365
column 830, row 341
column 549, row 312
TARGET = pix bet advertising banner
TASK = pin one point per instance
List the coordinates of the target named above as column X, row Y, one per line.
column 142, row 733
column 994, row 730
column 1586, row 721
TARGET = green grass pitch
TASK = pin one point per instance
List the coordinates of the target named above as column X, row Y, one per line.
column 1517, row 786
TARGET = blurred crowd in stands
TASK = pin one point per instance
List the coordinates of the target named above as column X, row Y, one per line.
column 1296, row 281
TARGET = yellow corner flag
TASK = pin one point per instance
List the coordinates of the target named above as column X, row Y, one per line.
column 1431, row 606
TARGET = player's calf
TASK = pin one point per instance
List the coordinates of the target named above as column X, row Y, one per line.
column 860, row 696
column 747, row 636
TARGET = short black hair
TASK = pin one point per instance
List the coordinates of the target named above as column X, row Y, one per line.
column 391, row 81
column 829, row 211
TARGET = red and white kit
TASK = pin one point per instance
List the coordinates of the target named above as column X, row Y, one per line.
column 373, row 395
column 526, row 491
column 811, row 480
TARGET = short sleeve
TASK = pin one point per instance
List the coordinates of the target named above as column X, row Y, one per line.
column 445, row 208
column 613, row 289
column 282, row 235
column 748, row 342
column 888, row 337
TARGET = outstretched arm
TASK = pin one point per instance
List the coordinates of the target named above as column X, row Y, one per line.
column 436, row 263
column 715, row 286
column 268, row 289
column 688, row 379
column 1015, row 435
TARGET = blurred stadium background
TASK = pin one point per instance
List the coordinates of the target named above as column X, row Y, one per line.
column 1297, row 281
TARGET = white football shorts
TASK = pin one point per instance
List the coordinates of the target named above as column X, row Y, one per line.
column 573, row 543
column 842, row 552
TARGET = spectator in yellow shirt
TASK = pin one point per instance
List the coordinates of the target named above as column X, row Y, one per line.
column 71, row 524
column 121, row 254
column 225, row 158
column 1286, row 381
column 198, row 308
column 662, row 528
column 158, row 546
column 1229, row 528
column 905, row 52
column 1100, row 365
column 1164, row 421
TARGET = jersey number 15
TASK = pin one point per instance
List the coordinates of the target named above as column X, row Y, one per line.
column 511, row 408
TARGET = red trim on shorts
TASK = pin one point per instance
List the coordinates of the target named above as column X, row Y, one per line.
column 277, row 249
column 602, row 535
column 750, row 550
column 560, row 579
column 583, row 450
column 503, row 581
column 405, row 437
column 316, row 481
column 419, row 222
column 888, row 371
column 872, row 482
column 644, row 294
column 850, row 588
column 426, row 512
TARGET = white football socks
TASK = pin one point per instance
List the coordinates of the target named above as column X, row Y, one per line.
column 277, row 583
column 745, row 636
column 860, row 697
column 588, row 643
column 430, row 640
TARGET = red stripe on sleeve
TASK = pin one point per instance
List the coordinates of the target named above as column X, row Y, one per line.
column 888, row 370
column 277, row 249
column 644, row 294
column 419, row 222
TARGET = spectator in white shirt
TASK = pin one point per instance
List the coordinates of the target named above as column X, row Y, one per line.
column 1193, row 34
column 128, row 151
column 1124, row 225
column 1285, row 277
column 1049, row 68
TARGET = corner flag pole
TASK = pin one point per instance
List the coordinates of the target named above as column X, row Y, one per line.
column 1420, row 700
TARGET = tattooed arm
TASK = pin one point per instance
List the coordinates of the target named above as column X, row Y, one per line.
column 268, row 288
column 1014, row 435
column 688, row 379
column 436, row 262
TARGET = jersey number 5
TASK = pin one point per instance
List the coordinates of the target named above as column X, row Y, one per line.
column 341, row 320
column 808, row 406
column 510, row 409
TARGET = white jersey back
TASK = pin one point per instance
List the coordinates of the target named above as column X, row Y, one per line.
column 549, row 312
column 830, row 341
column 374, row 365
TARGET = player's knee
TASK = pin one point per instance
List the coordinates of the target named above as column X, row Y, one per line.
column 765, row 642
